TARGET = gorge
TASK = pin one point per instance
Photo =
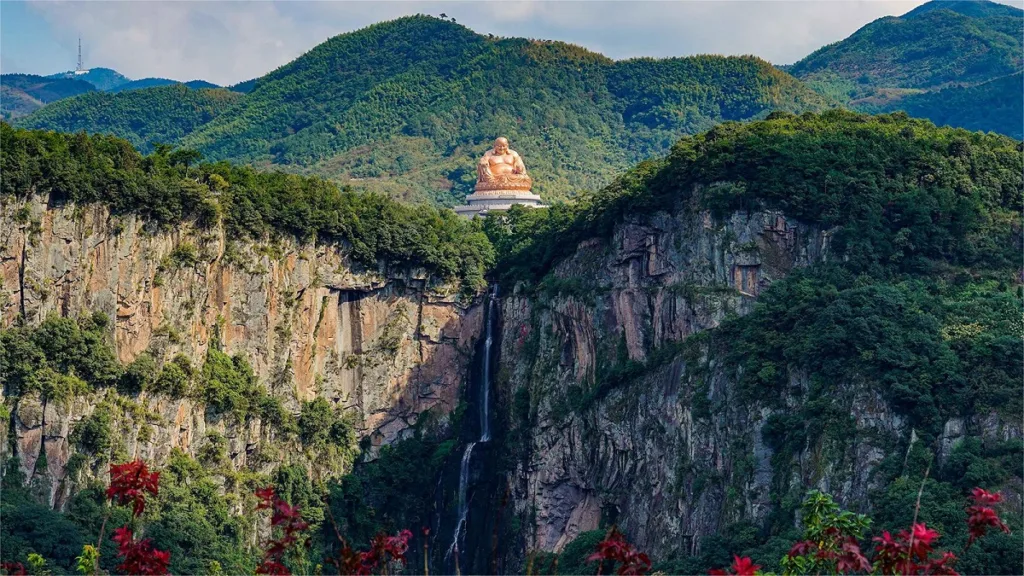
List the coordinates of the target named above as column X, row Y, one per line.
column 820, row 301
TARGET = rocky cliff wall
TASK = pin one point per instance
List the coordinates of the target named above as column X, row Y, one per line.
column 619, row 422
column 382, row 346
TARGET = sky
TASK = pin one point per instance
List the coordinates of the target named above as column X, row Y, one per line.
column 230, row 41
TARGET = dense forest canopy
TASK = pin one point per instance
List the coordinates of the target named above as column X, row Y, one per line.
column 158, row 115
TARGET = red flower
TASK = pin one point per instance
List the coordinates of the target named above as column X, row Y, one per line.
column 802, row 548
column 986, row 498
column 615, row 548
column 289, row 519
column 744, row 566
column 139, row 557
column 981, row 517
column 14, row 568
column 129, row 482
column 851, row 559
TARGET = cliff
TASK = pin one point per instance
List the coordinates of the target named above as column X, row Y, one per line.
column 381, row 348
column 623, row 409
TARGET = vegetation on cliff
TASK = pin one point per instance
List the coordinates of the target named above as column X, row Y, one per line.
column 918, row 305
column 405, row 107
column 168, row 187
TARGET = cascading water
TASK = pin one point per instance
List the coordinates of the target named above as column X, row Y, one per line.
column 463, row 504
column 485, row 381
column 485, row 422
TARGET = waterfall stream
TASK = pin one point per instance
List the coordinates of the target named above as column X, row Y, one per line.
column 485, row 422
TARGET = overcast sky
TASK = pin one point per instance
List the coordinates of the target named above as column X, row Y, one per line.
column 227, row 42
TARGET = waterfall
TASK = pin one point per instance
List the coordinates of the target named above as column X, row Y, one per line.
column 485, row 421
column 485, row 380
column 463, row 504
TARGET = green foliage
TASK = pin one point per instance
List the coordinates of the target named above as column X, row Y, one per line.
column 143, row 117
column 823, row 521
column 32, row 528
column 228, row 384
column 255, row 205
column 197, row 522
column 389, row 493
column 319, row 426
column 140, row 375
column 573, row 559
column 176, row 377
column 93, row 433
column 59, row 358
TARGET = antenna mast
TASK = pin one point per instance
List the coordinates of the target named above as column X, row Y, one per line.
column 81, row 67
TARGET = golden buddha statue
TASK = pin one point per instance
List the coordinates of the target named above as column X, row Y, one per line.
column 501, row 182
column 501, row 169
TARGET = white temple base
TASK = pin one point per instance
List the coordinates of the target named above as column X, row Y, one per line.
column 483, row 202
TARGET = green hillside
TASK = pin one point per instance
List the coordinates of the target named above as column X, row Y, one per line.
column 993, row 106
column 22, row 94
column 405, row 107
column 934, row 45
column 143, row 117
column 950, row 62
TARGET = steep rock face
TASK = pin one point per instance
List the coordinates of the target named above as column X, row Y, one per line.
column 384, row 346
column 623, row 423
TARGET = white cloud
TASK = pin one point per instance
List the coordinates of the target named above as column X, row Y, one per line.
column 226, row 42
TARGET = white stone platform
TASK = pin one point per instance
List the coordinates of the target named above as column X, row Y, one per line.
column 483, row 202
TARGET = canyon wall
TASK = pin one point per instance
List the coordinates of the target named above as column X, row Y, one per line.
column 617, row 422
column 383, row 346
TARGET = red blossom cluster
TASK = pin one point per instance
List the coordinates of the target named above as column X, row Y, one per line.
column 289, row 519
column 129, row 482
column 843, row 550
column 981, row 516
column 383, row 549
column 910, row 553
column 740, row 567
column 139, row 557
column 13, row 569
column 615, row 548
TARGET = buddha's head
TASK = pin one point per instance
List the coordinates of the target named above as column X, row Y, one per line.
column 501, row 146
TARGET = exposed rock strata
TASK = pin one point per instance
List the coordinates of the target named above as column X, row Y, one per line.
column 384, row 345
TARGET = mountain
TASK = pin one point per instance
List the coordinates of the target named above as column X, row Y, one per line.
column 407, row 106
column 935, row 46
column 153, row 82
column 22, row 94
column 143, row 117
column 101, row 78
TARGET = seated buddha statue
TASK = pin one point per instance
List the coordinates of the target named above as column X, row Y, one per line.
column 501, row 169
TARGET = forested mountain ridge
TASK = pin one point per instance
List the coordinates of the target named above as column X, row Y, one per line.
column 101, row 78
column 951, row 62
column 405, row 107
column 937, row 44
column 144, row 117
column 22, row 94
